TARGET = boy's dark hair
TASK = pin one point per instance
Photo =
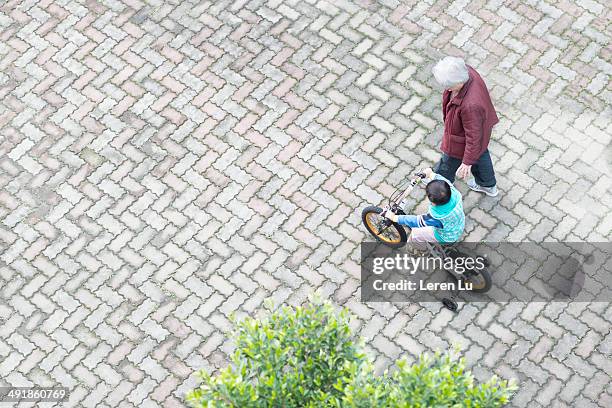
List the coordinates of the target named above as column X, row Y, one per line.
column 438, row 192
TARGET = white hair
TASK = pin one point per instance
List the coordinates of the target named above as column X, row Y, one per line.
column 450, row 71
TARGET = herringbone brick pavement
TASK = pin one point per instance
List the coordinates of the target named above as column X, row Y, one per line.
column 165, row 164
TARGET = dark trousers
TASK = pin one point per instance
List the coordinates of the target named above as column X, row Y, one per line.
column 482, row 170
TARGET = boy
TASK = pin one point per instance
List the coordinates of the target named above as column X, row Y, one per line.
column 445, row 219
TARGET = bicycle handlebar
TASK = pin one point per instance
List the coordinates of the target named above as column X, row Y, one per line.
column 419, row 176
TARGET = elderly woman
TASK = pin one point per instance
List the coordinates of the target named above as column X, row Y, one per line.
column 469, row 117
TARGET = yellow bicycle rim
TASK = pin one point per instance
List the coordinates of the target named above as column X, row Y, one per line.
column 373, row 227
column 478, row 283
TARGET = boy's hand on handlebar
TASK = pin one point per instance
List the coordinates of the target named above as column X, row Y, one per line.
column 428, row 172
column 391, row 215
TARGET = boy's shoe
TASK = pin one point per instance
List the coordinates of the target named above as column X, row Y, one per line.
column 490, row 191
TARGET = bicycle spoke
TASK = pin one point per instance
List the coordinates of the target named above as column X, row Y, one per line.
column 380, row 228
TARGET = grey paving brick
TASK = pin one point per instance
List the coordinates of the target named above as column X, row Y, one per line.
column 549, row 393
column 572, row 388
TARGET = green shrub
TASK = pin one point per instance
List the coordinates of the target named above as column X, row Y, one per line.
column 307, row 357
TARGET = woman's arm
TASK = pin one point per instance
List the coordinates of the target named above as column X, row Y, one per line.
column 472, row 118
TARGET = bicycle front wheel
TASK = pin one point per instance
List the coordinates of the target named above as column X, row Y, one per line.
column 383, row 229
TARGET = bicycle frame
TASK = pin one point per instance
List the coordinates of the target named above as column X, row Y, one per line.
column 395, row 200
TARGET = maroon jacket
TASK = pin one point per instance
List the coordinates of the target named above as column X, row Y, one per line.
column 468, row 120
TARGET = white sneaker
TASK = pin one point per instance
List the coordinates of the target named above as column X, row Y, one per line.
column 490, row 191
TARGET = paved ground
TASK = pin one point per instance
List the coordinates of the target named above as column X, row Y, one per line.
column 166, row 164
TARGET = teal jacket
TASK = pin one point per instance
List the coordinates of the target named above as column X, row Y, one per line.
column 450, row 215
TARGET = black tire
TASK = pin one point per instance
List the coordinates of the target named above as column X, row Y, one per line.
column 450, row 304
column 394, row 236
column 480, row 279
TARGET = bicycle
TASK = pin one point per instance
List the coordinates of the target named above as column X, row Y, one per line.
column 395, row 235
